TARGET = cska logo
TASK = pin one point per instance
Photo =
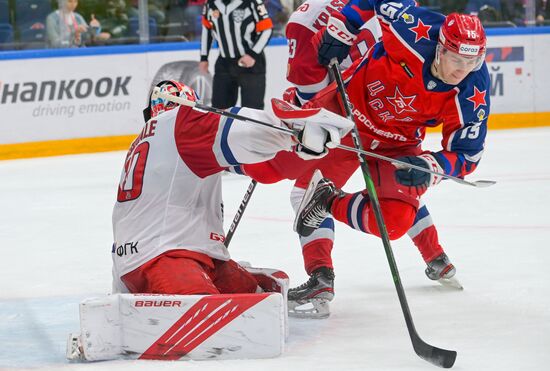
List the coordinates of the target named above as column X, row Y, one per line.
column 402, row 103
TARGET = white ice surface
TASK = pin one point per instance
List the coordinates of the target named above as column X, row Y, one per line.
column 55, row 241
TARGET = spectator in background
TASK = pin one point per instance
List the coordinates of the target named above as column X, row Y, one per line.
column 279, row 14
column 192, row 14
column 115, row 21
column 241, row 63
column 543, row 12
column 486, row 10
column 514, row 11
column 65, row 28
column 155, row 8
column 449, row 6
column 183, row 18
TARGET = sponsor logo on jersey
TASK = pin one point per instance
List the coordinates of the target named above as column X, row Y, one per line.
column 127, row 248
column 370, row 126
column 481, row 114
column 466, row 49
column 217, row 237
column 407, row 69
column 431, row 85
column 408, row 18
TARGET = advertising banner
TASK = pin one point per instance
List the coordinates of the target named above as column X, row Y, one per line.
column 101, row 96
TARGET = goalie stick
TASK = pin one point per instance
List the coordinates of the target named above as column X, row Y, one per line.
column 437, row 356
column 285, row 106
column 240, row 212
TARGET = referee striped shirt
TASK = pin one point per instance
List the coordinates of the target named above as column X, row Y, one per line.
column 239, row 26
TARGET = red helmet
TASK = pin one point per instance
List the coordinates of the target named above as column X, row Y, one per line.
column 463, row 34
column 173, row 87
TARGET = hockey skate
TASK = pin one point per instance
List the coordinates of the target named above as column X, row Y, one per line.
column 311, row 299
column 443, row 271
column 315, row 205
column 75, row 351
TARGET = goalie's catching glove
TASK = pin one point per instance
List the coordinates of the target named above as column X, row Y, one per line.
column 317, row 129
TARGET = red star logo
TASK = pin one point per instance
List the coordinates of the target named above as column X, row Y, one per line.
column 421, row 31
column 401, row 103
column 478, row 99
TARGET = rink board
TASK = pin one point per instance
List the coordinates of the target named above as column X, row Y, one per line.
column 51, row 109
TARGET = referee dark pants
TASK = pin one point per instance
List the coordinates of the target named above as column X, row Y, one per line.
column 229, row 77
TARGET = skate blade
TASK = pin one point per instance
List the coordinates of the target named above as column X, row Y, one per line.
column 314, row 309
column 452, row 282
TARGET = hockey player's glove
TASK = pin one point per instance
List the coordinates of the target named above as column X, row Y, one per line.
column 318, row 129
column 417, row 178
column 337, row 40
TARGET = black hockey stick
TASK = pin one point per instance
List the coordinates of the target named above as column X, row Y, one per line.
column 437, row 356
column 240, row 212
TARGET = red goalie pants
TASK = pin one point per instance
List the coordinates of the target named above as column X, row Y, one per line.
column 184, row 272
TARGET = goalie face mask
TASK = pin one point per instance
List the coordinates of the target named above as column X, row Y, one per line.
column 160, row 105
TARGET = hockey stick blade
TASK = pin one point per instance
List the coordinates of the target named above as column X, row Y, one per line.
column 483, row 183
column 439, row 357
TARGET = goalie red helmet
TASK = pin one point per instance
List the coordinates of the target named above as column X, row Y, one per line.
column 463, row 34
column 158, row 105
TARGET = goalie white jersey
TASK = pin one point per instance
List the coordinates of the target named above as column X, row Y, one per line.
column 169, row 194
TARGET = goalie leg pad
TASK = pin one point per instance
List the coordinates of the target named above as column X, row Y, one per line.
column 180, row 327
column 273, row 280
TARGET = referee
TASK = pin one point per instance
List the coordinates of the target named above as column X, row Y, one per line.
column 242, row 29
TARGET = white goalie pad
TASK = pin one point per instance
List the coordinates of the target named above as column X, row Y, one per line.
column 180, row 327
column 273, row 280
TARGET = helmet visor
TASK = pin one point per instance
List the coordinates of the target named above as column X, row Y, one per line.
column 461, row 62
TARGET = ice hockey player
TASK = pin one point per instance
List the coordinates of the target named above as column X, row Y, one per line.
column 427, row 70
column 303, row 32
column 399, row 50
column 167, row 220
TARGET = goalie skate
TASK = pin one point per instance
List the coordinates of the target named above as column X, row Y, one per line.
column 74, row 348
column 310, row 309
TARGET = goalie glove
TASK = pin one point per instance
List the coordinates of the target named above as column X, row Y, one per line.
column 318, row 129
column 337, row 39
column 312, row 142
column 417, row 178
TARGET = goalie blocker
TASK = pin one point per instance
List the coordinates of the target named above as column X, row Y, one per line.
column 185, row 327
